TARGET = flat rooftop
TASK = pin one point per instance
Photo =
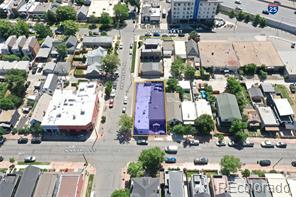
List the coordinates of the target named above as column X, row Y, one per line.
column 278, row 180
column 70, row 185
column 97, row 7
column 46, row 185
column 149, row 117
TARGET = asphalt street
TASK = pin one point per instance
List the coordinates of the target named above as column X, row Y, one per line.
column 285, row 15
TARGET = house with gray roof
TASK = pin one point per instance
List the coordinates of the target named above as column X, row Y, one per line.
column 94, row 71
column 40, row 10
column 199, row 186
column 47, row 43
column 82, row 13
column 152, row 70
column 145, row 187
column 267, row 88
column 31, row 47
column 256, row 94
column 28, row 182
column 150, row 14
column 173, row 108
column 43, row 54
column 259, row 187
column 191, row 49
column 174, row 184
column 62, row 68
column 6, row 48
column 50, row 84
column 97, row 41
column 71, row 44
column 95, row 56
column 227, row 109
column 18, row 45
column 48, row 68
column 8, row 184
column 151, row 50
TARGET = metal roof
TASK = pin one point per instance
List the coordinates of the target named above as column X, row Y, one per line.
column 228, row 109
column 28, row 182
column 145, row 187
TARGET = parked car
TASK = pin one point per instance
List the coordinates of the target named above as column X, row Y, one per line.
column 293, row 163
column 30, row 159
column 281, row 145
column 148, row 34
column 265, row 12
column 295, row 12
column 121, row 46
column 292, row 88
column 142, row 142
column 264, row 162
column 237, row 2
column 111, row 103
column 238, row 8
column 1, row 158
column 201, row 161
column 125, row 100
column 294, row 43
column 36, row 140
column 277, row 2
column 22, row 140
column 2, row 140
column 113, row 93
column 267, row 144
column 156, row 34
column 231, row 143
column 220, row 143
column 170, row 160
column 247, row 144
column 171, row 149
column 193, row 142
column 123, row 110
column 181, row 35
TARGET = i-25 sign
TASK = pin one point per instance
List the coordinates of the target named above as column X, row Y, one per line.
column 273, row 8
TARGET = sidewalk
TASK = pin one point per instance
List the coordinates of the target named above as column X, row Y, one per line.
column 258, row 140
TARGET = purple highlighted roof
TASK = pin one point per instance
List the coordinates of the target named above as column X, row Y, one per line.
column 150, row 113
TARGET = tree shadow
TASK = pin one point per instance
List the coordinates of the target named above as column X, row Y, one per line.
column 123, row 138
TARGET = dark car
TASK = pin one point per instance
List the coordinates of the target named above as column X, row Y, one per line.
column 265, row 12
column 36, row 140
column 22, row 140
column 292, row 88
column 156, row 34
column 277, row 2
column 201, row 161
column 181, row 35
column 281, row 145
column 1, row 158
column 142, row 142
column 293, row 163
column 170, row 160
column 2, row 140
column 295, row 12
column 264, row 162
column 247, row 144
column 34, row 70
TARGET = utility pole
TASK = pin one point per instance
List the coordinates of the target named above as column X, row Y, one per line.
column 277, row 162
column 86, row 162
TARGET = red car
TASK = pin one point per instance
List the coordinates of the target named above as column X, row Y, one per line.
column 111, row 102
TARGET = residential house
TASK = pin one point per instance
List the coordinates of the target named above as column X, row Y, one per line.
column 97, row 41
column 180, row 49
column 150, row 14
column 94, row 71
column 259, row 187
column 199, row 186
column 10, row 8
column 227, row 109
column 31, row 47
column 6, row 48
column 40, row 9
column 5, row 66
column 47, row 183
column 203, row 107
column 95, row 56
column 9, row 118
column 8, row 184
column 267, row 88
column 191, row 49
column 174, row 184
column 71, row 44
column 268, row 119
column 186, row 86
column 43, row 54
column 50, row 84
column 82, row 13
column 173, row 108
column 48, row 68
column 188, row 112
column 23, row 11
column 151, row 50
column 145, row 187
column 40, row 109
column 47, row 43
column 28, row 182
column 62, row 68
column 18, row 45
column 168, row 48
column 253, row 118
column 70, row 184
column 152, row 70
column 283, row 110
column 256, row 94
column 219, row 185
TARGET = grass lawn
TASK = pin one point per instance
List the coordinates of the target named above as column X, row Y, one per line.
column 32, row 163
column 3, row 170
column 134, row 57
column 285, row 92
column 3, row 88
column 89, row 185
column 189, row 173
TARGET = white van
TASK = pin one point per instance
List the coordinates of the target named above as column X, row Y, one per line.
column 171, row 149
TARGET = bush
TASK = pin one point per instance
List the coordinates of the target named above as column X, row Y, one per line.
column 103, row 119
column 246, row 173
column 231, row 14
column 259, row 173
column 11, row 160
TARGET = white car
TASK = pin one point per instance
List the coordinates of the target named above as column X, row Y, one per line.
column 238, row 8
column 30, row 159
column 237, row 2
column 125, row 100
column 120, row 46
column 124, row 110
column 113, row 93
column 267, row 144
column 130, row 51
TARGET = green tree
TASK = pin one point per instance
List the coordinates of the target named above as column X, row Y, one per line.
column 180, row 129
column 237, row 130
column 247, row 18
column 2, row 132
column 204, row 124
column 110, row 63
column 36, row 128
column 171, row 85
column 70, row 27
column 177, row 68
column 125, row 123
column 220, row 137
column 151, row 160
column 11, row 57
column 250, row 69
column 230, row 164
column 121, row 193
column 256, row 20
column 92, row 19
column 106, row 20
column 135, row 169
column 42, row 30
column 262, row 22
column 189, row 72
column 6, row 29
column 232, row 14
column 79, row 2
column 62, row 50
column 11, row 160
column 262, row 74
column 241, row 16
column 246, row 173
column 194, row 35
column 135, row 3
column 51, row 17
column 21, row 28
column 65, row 13
column 121, row 12
column 108, row 88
